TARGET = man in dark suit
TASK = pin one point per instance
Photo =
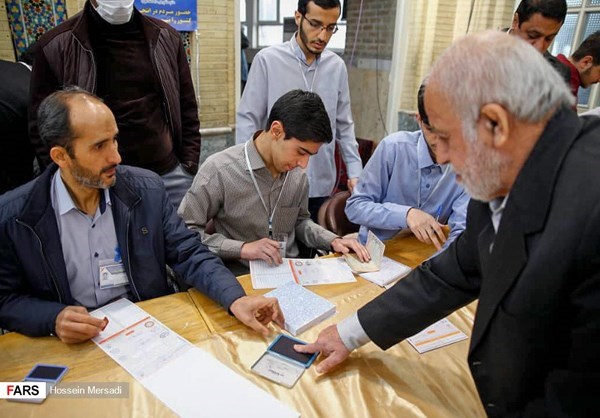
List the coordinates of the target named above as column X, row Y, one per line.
column 16, row 156
column 531, row 249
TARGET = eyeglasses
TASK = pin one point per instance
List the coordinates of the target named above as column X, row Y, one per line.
column 331, row 29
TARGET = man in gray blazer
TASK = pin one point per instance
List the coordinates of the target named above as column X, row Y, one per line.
column 531, row 249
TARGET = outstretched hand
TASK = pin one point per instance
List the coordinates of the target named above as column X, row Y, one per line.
column 330, row 345
column 257, row 312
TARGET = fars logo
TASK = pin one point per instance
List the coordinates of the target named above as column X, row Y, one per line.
column 22, row 390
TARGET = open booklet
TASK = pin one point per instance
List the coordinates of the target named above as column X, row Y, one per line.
column 303, row 271
column 375, row 248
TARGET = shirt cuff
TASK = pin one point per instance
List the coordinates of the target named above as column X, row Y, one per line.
column 354, row 169
column 230, row 248
column 352, row 333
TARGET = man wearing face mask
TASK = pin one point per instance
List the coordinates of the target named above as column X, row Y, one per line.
column 138, row 66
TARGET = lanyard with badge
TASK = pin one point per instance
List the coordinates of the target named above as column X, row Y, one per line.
column 112, row 271
column 282, row 242
column 445, row 172
column 309, row 88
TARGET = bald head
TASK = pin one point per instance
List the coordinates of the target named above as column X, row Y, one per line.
column 61, row 112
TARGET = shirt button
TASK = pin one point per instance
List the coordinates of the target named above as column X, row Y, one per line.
column 490, row 405
column 96, row 255
column 476, row 363
column 427, row 185
column 93, row 225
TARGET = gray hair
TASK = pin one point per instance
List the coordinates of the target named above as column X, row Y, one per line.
column 493, row 67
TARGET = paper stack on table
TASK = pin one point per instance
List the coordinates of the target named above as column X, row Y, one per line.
column 304, row 271
column 301, row 308
column 389, row 272
column 375, row 248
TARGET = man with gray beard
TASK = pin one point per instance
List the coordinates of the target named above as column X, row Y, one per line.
column 531, row 249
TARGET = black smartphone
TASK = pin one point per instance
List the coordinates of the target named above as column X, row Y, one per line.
column 283, row 346
column 46, row 373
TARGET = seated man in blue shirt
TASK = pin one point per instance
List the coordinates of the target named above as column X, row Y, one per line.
column 88, row 231
column 402, row 186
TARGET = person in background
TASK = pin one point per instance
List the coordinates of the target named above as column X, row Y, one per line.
column 16, row 158
column 138, row 66
column 584, row 63
column 256, row 193
column 88, row 231
column 404, row 187
column 304, row 63
column 530, row 253
column 538, row 22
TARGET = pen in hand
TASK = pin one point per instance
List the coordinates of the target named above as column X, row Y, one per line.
column 438, row 213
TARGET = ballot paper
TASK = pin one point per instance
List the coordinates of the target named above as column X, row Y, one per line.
column 438, row 335
column 389, row 272
column 375, row 248
column 302, row 309
column 304, row 271
column 186, row 379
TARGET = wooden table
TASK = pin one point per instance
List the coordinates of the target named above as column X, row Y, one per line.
column 396, row 383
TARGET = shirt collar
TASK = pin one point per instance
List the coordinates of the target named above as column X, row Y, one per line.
column 64, row 202
column 256, row 161
column 300, row 53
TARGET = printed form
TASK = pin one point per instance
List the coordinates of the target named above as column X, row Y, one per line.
column 186, row 379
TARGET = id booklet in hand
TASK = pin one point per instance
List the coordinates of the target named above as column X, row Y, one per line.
column 375, row 248
column 281, row 363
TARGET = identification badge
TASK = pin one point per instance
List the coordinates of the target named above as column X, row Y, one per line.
column 112, row 274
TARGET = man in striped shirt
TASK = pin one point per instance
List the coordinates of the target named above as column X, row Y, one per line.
column 256, row 193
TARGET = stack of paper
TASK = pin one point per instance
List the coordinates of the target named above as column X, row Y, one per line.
column 301, row 308
column 389, row 272
column 304, row 271
column 438, row 335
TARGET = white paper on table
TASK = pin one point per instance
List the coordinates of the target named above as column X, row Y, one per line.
column 265, row 276
column 389, row 272
column 197, row 385
column 438, row 335
column 183, row 377
column 304, row 271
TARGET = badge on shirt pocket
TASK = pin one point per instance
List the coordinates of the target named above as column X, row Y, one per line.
column 112, row 274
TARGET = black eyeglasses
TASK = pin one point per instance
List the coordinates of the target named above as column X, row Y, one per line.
column 331, row 29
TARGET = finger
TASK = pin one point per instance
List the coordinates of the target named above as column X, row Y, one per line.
column 307, row 348
column 434, row 239
column 81, row 315
column 439, row 232
column 277, row 313
column 78, row 331
column 330, row 363
column 258, row 327
column 362, row 252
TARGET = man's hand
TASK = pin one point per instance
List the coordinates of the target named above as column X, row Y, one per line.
column 263, row 249
column 330, row 345
column 257, row 311
column 425, row 227
column 75, row 325
column 344, row 246
column 351, row 183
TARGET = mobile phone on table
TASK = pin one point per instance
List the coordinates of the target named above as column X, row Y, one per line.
column 50, row 374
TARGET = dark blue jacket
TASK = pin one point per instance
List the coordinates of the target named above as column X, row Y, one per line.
column 33, row 280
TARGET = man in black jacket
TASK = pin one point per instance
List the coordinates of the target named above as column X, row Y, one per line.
column 531, row 249
column 138, row 66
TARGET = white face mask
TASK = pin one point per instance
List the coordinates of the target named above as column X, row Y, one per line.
column 115, row 12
